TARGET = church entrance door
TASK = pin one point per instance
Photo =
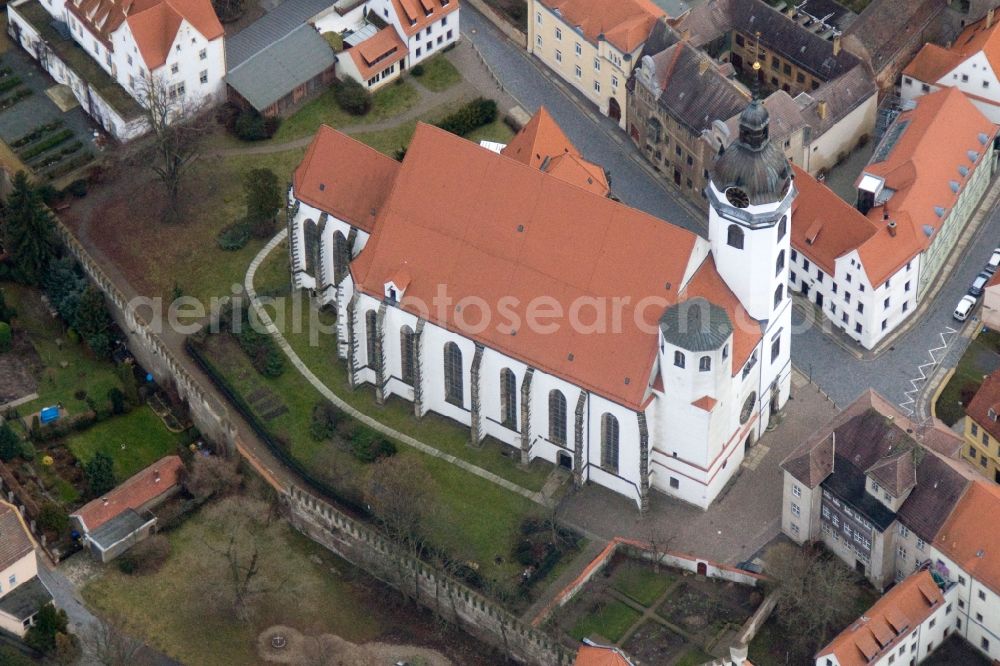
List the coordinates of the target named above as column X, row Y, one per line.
column 565, row 460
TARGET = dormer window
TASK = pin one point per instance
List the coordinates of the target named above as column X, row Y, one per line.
column 396, row 287
column 992, row 414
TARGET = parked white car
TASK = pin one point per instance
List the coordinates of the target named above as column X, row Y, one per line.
column 994, row 262
column 964, row 308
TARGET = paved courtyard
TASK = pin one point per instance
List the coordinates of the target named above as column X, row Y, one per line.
column 744, row 518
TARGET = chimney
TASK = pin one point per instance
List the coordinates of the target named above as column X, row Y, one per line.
column 105, row 501
column 892, row 228
column 821, row 109
column 156, row 476
column 989, row 17
column 836, row 44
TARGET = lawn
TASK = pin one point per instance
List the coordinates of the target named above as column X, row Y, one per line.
column 439, row 74
column 609, row 620
column 69, row 367
column 474, row 518
column 134, row 440
column 306, row 587
column 392, row 100
column 318, row 350
column 981, row 358
column 641, row 583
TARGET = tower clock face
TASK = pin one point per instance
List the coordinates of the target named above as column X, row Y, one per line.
column 748, row 407
column 737, row 197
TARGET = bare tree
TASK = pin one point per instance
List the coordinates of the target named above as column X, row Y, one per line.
column 208, row 476
column 177, row 127
column 400, row 497
column 659, row 545
column 815, row 595
column 110, row 645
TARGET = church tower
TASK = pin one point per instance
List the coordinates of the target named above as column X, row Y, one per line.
column 750, row 195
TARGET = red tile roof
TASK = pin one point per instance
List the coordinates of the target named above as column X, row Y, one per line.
column 624, row 23
column 598, row 655
column 378, row 52
column 543, row 145
column 933, row 62
column 894, row 616
column 987, row 399
column 970, row 543
column 344, row 177
column 136, row 491
column 415, row 15
column 153, row 23
column 487, row 227
column 923, row 170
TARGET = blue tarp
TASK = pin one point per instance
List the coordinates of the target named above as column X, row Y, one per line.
column 49, row 414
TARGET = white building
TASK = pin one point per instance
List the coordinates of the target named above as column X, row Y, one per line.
column 373, row 55
column 550, row 317
column 903, row 627
column 22, row 593
column 971, row 63
column 867, row 269
column 178, row 44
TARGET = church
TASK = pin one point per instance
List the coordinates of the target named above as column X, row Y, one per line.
column 506, row 291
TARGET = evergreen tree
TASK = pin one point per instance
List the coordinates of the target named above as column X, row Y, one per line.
column 29, row 234
column 264, row 199
column 93, row 322
column 49, row 622
column 100, row 473
column 64, row 285
column 10, row 443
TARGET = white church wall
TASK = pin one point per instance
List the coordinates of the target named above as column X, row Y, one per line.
column 432, row 357
column 542, row 444
column 625, row 480
column 491, row 404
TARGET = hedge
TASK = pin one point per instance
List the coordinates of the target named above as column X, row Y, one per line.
column 37, row 133
column 352, row 97
column 46, row 144
column 471, row 116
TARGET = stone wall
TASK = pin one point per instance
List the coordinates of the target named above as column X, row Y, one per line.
column 364, row 547
column 209, row 415
column 501, row 22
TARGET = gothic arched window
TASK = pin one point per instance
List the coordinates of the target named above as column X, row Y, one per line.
column 609, row 442
column 371, row 323
column 508, row 398
column 735, row 236
column 780, row 264
column 453, row 387
column 779, row 293
column 705, row 363
column 557, row 417
column 679, row 359
column 310, row 235
column 406, row 354
column 341, row 257
column 782, row 226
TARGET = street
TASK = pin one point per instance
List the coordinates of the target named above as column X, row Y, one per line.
column 840, row 374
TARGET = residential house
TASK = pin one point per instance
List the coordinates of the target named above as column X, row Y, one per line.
column 112, row 52
column 22, row 593
column 686, row 95
column 592, row 45
column 982, row 432
column 111, row 524
column 967, row 552
column 672, row 406
column 903, row 627
column 971, row 63
column 283, row 76
column 867, row 269
column 990, row 312
column 374, row 61
column 874, row 487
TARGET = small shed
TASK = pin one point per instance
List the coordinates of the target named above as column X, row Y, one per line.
column 280, row 77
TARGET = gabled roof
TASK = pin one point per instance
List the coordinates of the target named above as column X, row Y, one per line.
column 344, row 177
column 153, row 23
column 542, row 144
column 986, row 400
column 895, row 615
column 378, row 52
column 15, row 541
column 487, row 227
column 625, row 24
column 969, row 542
column 270, row 74
column 896, row 472
column 599, row 655
column 136, row 491
column 926, row 158
column 887, row 27
column 933, row 61
column 414, row 15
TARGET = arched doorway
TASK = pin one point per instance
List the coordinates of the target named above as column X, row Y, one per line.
column 750, row 441
column 614, row 110
column 702, row 569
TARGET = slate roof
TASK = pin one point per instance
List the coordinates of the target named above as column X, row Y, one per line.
column 696, row 325
column 887, row 27
column 118, row 528
column 26, row 599
column 871, row 433
column 271, row 27
column 281, row 67
column 14, row 540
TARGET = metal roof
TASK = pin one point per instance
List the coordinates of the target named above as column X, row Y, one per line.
column 25, row 600
column 696, row 325
column 274, row 72
column 267, row 30
column 117, row 529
